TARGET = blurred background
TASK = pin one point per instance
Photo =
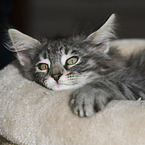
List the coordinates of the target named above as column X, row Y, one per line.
column 64, row 17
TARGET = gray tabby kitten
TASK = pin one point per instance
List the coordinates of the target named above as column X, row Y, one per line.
column 88, row 64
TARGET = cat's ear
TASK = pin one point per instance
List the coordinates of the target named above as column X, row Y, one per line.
column 104, row 34
column 22, row 45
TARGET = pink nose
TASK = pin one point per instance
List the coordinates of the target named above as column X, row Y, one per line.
column 56, row 76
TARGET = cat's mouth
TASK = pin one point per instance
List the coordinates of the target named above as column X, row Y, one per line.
column 62, row 86
column 67, row 84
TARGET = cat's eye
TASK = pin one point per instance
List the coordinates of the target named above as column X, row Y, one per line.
column 43, row 66
column 72, row 60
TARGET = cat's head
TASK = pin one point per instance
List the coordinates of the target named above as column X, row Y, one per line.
column 63, row 63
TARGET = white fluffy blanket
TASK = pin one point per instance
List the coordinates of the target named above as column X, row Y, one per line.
column 33, row 115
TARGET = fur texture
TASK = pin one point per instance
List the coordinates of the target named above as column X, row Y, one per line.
column 67, row 63
column 89, row 64
column 33, row 115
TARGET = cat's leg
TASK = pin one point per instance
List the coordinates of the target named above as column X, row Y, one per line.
column 95, row 96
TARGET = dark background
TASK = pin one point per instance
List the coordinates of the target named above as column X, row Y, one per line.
column 64, row 17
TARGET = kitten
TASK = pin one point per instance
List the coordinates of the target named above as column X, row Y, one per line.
column 97, row 72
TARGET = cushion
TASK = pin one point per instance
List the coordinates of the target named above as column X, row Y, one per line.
column 33, row 115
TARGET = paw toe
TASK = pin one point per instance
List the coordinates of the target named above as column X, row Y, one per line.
column 89, row 110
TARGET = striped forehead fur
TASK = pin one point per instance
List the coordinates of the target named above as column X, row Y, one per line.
column 58, row 48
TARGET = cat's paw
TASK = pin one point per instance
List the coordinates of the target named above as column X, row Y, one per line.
column 87, row 100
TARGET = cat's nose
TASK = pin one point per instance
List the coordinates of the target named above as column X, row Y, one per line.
column 56, row 73
column 56, row 76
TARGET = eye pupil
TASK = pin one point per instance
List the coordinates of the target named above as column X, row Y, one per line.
column 72, row 60
column 43, row 66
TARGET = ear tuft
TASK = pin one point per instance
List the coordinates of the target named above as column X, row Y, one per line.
column 22, row 41
column 23, row 45
column 105, row 33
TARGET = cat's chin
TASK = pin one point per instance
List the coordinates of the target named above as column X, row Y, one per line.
column 59, row 87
